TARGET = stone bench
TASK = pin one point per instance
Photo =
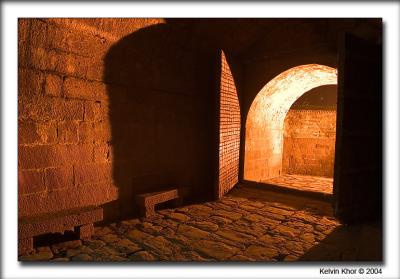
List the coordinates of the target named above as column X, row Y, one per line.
column 148, row 201
column 78, row 220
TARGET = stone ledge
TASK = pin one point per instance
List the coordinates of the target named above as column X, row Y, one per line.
column 147, row 201
column 80, row 220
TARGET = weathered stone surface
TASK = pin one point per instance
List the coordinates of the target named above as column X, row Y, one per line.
column 95, row 243
column 159, row 245
column 167, row 232
column 261, row 252
column 273, row 216
column 182, row 209
column 292, row 247
column 319, row 236
column 138, row 236
column 85, row 249
column 73, row 252
column 43, row 249
column 320, row 228
column 254, row 229
column 63, row 246
column 201, row 207
column 241, row 258
column 227, row 214
column 150, row 228
column 279, row 211
column 127, row 246
column 248, row 207
column 109, row 238
column 192, row 232
column 142, row 256
column 105, row 251
column 130, row 223
column 268, row 240
column 286, row 231
column 40, row 256
column 290, row 258
column 82, row 257
column 325, row 221
column 178, row 216
column 221, row 220
column 181, row 240
column 228, row 202
column 60, row 260
column 213, row 249
column 166, row 223
column 99, row 231
column 303, row 227
column 204, row 225
column 116, row 258
column 229, row 242
column 190, row 256
column 308, row 237
column 253, row 218
column 305, row 217
column 235, row 236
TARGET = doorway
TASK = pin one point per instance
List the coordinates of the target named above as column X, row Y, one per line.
column 286, row 143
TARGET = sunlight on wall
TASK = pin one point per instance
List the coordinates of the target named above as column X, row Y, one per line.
column 264, row 124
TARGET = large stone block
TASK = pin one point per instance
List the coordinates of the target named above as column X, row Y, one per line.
column 42, row 156
column 23, row 34
column 30, row 181
column 86, row 132
column 30, row 82
column 92, row 173
column 44, row 108
column 80, row 41
column 102, row 153
column 94, row 111
column 66, row 198
column 53, row 85
column 37, row 132
column 102, row 131
column 68, row 131
column 84, row 89
column 39, row 35
column 61, row 63
column 59, row 177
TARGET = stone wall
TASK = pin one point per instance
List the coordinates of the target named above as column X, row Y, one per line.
column 109, row 108
column 309, row 142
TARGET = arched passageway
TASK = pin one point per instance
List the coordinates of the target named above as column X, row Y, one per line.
column 265, row 119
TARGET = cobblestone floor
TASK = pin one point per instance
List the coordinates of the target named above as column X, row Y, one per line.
column 246, row 225
column 303, row 182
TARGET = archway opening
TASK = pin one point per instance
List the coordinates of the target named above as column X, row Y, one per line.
column 265, row 123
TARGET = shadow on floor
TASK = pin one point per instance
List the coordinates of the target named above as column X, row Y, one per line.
column 345, row 243
column 349, row 243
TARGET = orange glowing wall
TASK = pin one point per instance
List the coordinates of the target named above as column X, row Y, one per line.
column 229, row 131
column 265, row 120
column 309, row 142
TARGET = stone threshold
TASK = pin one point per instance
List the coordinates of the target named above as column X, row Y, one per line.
column 288, row 190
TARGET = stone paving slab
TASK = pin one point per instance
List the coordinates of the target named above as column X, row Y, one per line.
column 303, row 182
column 246, row 225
